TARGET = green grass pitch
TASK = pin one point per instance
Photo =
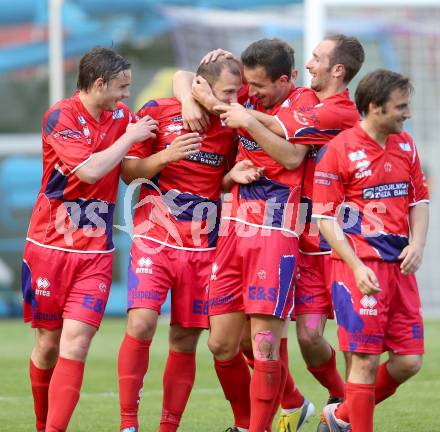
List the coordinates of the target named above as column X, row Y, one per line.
column 414, row 407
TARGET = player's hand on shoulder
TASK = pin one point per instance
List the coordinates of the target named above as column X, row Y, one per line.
column 215, row 54
column 145, row 128
column 366, row 280
column 182, row 146
column 411, row 257
column 245, row 172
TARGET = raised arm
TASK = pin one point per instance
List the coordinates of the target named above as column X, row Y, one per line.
column 100, row 163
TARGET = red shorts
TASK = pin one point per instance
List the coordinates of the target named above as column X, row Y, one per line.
column 184, row 272
column 388, row 321
column 57, row 285
column 313, row 288
column 254, row 273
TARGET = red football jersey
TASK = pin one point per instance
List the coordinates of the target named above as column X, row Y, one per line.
column 370, row 190
column 333, row 115
column 273, row 200
column 181, row 205
column 69, row 214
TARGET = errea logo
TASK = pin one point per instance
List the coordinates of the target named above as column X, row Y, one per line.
column 368, row 303
column 144, row 266
column 357, row 155
column 43, row 285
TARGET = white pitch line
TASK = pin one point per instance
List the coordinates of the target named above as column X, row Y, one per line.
column 145, row 394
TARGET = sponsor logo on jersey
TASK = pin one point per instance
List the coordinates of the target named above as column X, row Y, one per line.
column 43, row 285
column 68, row 134
column 405, row 147
column 177, row 119
column 248, row 144
column 102, row 287
column 325, row 178
column 357, row 155
column 388, row 190
column 368, row 304
column 362, row 174
column 144, row 266
column 207, row 158
column 174, row 128
column 286, row 104
column 82, row 120
column 362, row 165
column 118, row 114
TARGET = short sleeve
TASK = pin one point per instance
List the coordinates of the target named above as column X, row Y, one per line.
column 328, row 184
column 69, row 141
column 291, row 115
column 145, row 148
column 418, row 188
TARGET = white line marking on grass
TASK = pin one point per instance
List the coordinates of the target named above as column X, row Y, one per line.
column 146, row 393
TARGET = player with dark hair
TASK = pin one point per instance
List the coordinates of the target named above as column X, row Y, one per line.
column 67, row 264
column 175, row 236
column 371, row 199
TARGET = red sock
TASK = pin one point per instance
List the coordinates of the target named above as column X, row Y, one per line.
column 360, row 399
column 249, row 357
column 40, row 379
column 276, row 405
column 265, row 384
column 132, row 366
column 178, row 380
column 327, row 374
column 235, row 379
column 386, row 385
column 291, row 397
column 64, row 389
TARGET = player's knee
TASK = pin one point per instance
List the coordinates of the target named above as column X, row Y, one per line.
column 410, row 365
column 141, row 328
column 307, row 338
column 47, row 349
column 246, row 344
column 264, row 345
column 222, row 348
column 183, row 340
column 76, row 346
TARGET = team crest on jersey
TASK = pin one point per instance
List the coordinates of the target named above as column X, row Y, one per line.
column 249, row 105
column 405, row 147
column 387, row 167
column 144, row 266
column 357, row 155
column 262, row 274
column 43, row 285
column 118, row 114
column 300, row 118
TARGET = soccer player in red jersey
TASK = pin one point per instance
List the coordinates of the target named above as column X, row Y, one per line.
column 256, row 257
column 175, row 234
column 371, row 199
column 336, row 60
column 67, row 264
